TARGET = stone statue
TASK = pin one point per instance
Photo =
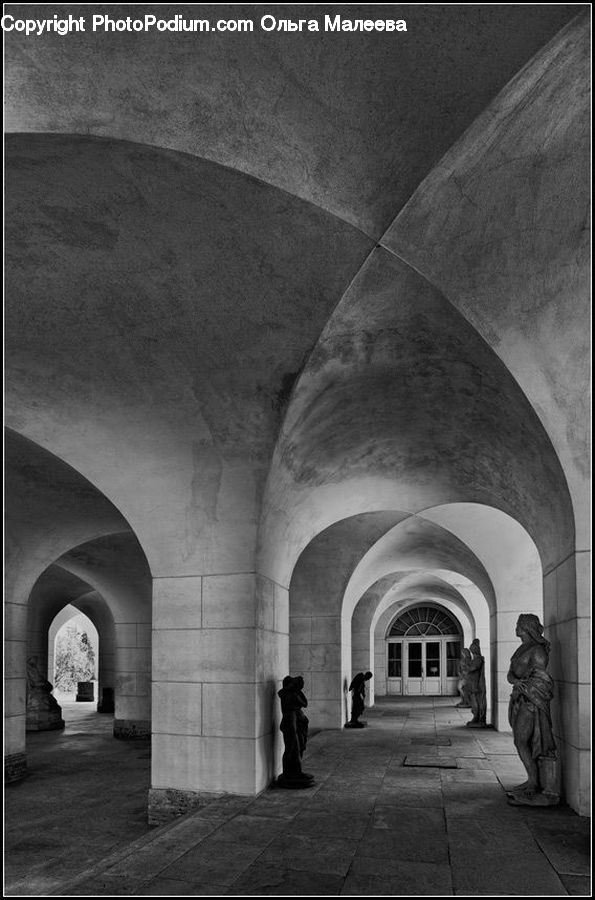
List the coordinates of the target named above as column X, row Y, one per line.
column 294, row 728
column 462, row 682
column 43, row 710
column 529, row 716
column 476, row 686
column 358, row 689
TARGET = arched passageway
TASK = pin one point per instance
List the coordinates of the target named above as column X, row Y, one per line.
column 278, row 424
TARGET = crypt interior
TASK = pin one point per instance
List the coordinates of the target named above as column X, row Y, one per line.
column 297, row 376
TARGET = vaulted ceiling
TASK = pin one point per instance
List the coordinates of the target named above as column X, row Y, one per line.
column 271, row 256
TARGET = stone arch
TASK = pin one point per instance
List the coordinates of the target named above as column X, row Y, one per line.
column 397, row 591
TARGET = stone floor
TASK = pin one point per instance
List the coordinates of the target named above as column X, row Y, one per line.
column 413, row 805
column 84, row 797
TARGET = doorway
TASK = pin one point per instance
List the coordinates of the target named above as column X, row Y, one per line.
column 423, row 650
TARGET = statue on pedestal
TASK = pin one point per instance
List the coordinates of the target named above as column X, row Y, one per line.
column 529, row 716
column 476, row 685
column 294, row 728
column 462, row 682
column 43, row 710
column 358, row 689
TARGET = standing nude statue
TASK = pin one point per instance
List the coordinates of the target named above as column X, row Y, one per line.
column 529, row 716
column 358, row 689
column 294, row 728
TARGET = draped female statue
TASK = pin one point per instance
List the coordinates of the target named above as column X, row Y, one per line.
column 529, row 716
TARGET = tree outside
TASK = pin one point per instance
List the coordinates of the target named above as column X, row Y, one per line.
column 74, row 659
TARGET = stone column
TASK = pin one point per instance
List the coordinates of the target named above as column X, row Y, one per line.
column 220, row 647
column 132, row 718
column 315, row 653
column 15, row 690
column 567, row 627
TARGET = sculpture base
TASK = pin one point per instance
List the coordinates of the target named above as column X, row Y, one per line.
column 524, row 798
column 356, row 725
column 299, row 782
column 44, row 721
column 478, row 725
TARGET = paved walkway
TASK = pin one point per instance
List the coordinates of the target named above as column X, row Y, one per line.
column 85, row 796
column 373, row 824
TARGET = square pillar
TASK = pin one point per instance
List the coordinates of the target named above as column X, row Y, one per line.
column 220, row 649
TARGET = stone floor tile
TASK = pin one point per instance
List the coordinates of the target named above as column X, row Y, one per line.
column 326, row 823
column 577, row 885
column 213, row 862
column 174, row 887
column 413, row 775
column 273, row 804
column 430, row 762
column 473, row 762
column 421, row 835
column 108, row 886
column 388, row 844
column 331, row 856
column 257, row 831
column 567, row 846
column 478, row 836
column 470, row 751
column 404, row 878
column 470, row 776
column 262, row 879
column 397, row 796
column 391, row 816
column 527, row 873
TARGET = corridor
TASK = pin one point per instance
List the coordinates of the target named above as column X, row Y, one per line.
column 412, row 805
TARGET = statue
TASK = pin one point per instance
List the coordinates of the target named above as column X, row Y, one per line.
column 476, row 686
column 358, row 689
column 43, row 710
column 462, row 682
column 294, row 728
column 529, row 716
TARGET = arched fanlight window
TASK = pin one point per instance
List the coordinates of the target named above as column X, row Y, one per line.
column 423, row 620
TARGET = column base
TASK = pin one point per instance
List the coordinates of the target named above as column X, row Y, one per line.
column 15, row 767
column 166, row 804
column 132, row 729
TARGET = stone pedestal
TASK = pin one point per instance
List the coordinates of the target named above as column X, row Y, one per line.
column 41, row 717
column 85, row 692
column 106, row 703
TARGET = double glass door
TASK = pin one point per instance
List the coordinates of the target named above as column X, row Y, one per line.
column 422, row 667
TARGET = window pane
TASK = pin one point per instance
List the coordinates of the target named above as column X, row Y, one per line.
column 433, row 659
column 414, row 660
column 394, row 660
column 453, row 653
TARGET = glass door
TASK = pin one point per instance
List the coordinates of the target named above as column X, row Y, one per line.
column 415, row 668
column 432, row 668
